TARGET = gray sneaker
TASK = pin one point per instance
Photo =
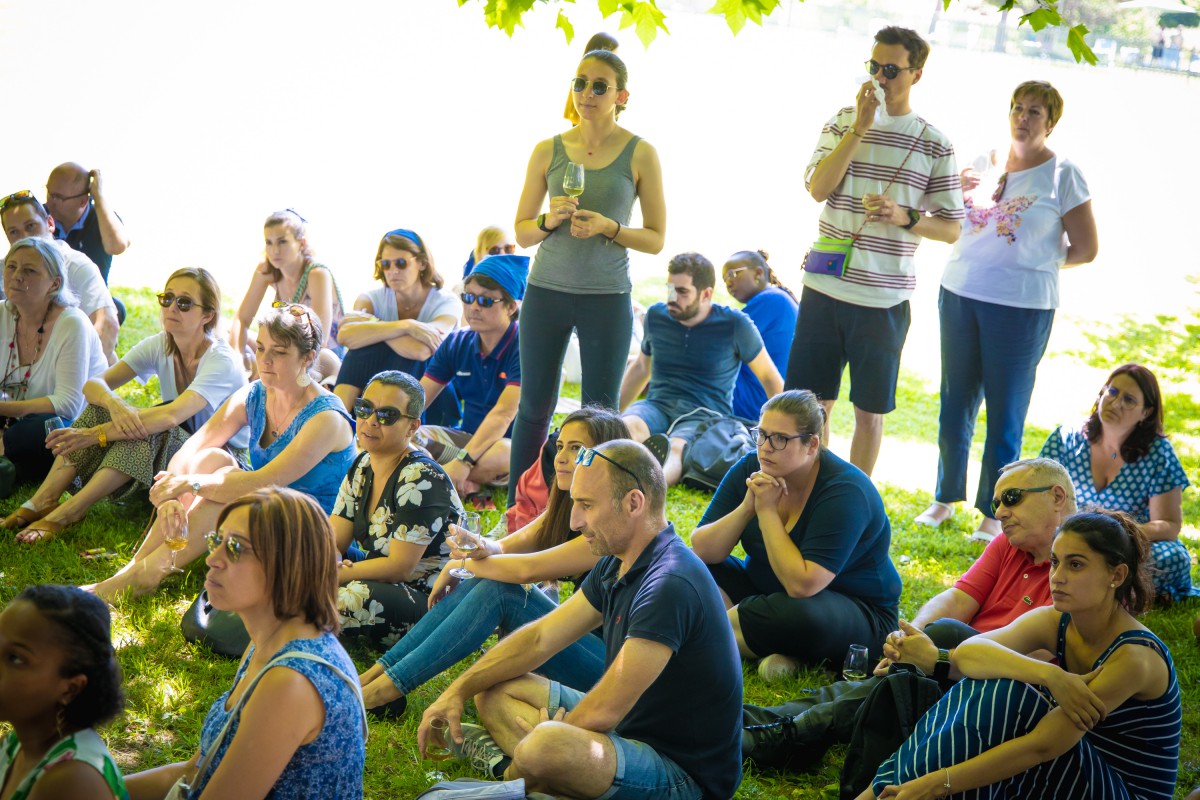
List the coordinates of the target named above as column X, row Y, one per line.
column 480, row 749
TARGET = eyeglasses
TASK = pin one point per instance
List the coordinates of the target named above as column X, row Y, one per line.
column 184, row 304
column 15, row 199
column 733, row 273
column 387, row 415
column 1013, row 497
column 890, row 71
column 1000, row 185
column 233, row 547
column 1126, row 400
column 385, row 264
column 61, row 198
column 777, row 441
column 484, row 302
column 599, row 86
column 588, row 454
column 506, row 249
column 295, row 309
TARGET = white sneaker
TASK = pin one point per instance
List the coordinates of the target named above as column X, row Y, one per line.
column 777, row 667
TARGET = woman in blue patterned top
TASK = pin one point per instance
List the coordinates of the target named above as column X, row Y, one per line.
column 1121, row 460
column 58, row 679
column 391, row 514
column 293, row 724
column 1104, row 722
column 300, row 437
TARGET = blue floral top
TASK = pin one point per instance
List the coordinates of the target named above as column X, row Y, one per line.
column 321, row 481
column 1155, row 473
column 329, row 767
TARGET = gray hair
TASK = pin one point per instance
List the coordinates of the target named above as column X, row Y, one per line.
column 405, row 383
column 53, row 260
column 1047, row 471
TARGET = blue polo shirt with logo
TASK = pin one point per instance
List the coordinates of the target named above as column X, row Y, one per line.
column 477, row 378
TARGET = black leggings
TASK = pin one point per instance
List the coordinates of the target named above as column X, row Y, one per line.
column 25, row 446
column 604, row 323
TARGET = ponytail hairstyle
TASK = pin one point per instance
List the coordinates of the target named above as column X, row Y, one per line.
column 1115, row 535
column 758, row 259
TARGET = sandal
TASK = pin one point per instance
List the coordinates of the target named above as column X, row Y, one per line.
column 23, row 517
column 659, row 446
column 930, row 515
column 40, row 531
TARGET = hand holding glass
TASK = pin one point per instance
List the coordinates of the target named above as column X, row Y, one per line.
column 855, row 668
column 175, row 536
column 53, row 424
column 467, row 540
column 437, row 745
column 573, row 179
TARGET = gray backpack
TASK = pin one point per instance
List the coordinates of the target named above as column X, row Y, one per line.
column 719, row 443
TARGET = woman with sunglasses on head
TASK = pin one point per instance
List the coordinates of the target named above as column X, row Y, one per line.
column 816, row 577
column 399, row 325
column 492, row 241
column 580, row 276
column 395, row 506
column 288, row 267
column 292, row 725
column 59, row 679
column 998, row 296
column 1120, row 459
column 49, row 350
column 499, row 596
column 300, row 436
column 1101, row 722
column 115, row 449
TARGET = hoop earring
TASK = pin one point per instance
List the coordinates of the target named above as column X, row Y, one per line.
column 59, row 719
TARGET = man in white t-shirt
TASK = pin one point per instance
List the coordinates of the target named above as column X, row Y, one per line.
column 23, row 215
column 887, row 181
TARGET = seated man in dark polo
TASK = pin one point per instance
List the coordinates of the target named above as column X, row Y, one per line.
column 662, row 720
column 691, row 353
column 1012, row 576
column 484, row 362
column 22, row 215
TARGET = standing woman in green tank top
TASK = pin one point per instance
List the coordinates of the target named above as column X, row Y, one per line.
column 580, row 276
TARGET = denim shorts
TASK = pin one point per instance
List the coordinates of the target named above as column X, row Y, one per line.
column 660, row 416
column 642, row 774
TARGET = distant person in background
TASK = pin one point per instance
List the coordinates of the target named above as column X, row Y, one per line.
column 599, row 41
column 22, row 215
column 998, row 297
column 492, row 241
column 772, row 308
column 289, row 268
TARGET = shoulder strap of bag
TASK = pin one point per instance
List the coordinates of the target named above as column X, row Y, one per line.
column 896, row 174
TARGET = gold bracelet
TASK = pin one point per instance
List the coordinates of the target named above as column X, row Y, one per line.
column 103, row 438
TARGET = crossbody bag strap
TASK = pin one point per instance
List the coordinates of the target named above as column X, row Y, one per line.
column 302, row 287
column 896, row 174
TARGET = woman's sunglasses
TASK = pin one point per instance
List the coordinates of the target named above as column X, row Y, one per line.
column 386, row 264
column 890, row 71
column 387, row 415
column 599, row 87
column 484, row 302
column 1013, row 497
column 506, row 249
column 233, row 546
column 184, row 304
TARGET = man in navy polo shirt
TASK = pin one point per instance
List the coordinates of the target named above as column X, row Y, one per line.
column 662, row 722
column 484, row 361
column 691, row 353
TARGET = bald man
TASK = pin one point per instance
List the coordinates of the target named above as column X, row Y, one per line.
column 75, row 198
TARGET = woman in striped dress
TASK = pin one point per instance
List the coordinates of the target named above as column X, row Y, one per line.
column 1104, row 723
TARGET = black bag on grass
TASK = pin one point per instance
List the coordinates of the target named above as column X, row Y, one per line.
column 219, row 631
column 719, row 443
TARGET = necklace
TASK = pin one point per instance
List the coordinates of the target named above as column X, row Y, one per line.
column 275, row 430
column 21, row 386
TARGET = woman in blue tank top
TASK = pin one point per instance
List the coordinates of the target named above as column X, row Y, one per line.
column 580, row 276
column 1103, row 722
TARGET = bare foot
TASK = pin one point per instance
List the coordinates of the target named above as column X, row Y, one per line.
column 136, row 579
column 380, row 691
column 935, row 515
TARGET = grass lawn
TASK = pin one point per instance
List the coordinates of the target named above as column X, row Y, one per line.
column 170, row 683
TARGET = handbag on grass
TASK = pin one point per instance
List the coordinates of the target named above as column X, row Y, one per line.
column 831, row 256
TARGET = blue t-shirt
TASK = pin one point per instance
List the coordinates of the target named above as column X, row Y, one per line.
column 478, row 379
column 843, row 528
column 698, row 365
column 773, row 311
column 692, row 711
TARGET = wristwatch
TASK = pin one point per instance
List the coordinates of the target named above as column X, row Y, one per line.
column 195, row 486
column 541, row 223
column 941, row 670
column 465, row 457
column 914, row 217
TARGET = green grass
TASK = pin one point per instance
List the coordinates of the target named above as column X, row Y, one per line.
column 170, row 683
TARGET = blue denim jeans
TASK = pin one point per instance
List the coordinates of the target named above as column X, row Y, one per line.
column 461, row 622
column 990, row 353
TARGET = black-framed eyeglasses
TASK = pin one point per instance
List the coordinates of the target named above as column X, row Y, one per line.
column 385, row 264
column 1126, row 400
column 387, row 415
column 62, row 198
column 1013, row 497
column 506, row 249
column 484, row 302
column 776, row 441
column 15, row 199
column 890, row 71
column 184, row 304
column 587, row 454
column 234, row 547
column 599, row 86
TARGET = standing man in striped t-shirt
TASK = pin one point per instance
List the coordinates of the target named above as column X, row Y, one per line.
column 887, row 182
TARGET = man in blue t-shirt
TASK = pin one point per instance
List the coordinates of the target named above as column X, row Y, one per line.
column 484, row 361
column 692, row 349
column 664, row 716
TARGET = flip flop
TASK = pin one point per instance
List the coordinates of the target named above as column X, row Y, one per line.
column 40, row 531
column 23, row 517
column 929, row 519
column 660, row 446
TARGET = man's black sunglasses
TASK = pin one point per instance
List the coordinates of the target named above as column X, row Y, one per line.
column 890, row 71
column 1013, row 497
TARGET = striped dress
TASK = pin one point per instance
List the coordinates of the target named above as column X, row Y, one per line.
column 1132, row 754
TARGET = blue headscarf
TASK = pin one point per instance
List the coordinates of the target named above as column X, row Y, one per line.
column 510, row 272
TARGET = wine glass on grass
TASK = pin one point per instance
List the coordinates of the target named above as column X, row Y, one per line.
column 467, row 540
column 573, row 179
column 855, row 668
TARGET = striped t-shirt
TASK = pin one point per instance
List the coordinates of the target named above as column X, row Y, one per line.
column 881, row 272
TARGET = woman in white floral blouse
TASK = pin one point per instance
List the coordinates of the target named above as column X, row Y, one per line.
column 391, row 515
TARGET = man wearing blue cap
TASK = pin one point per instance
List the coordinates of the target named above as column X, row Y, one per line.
column 485, row 364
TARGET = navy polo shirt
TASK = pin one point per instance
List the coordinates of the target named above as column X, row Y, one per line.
column 478, row 379
column 773, row 311
column 84, row 236
column 692, row 712
column 698, row 365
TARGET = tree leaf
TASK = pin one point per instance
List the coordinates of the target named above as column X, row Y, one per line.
column 647, row 18
column 735, row 15
column 1079, row 48
column 1045, row 14
column 564, row 24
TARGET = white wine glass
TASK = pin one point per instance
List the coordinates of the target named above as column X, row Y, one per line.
column 54, row 423
column 467, row 541
column 855, row 668
column 573, row 179
column 175, row 536
column 437, row 745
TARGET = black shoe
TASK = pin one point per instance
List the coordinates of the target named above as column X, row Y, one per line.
column 775, row 744
column 660, row 446
column 8, row 477
column 392, row 710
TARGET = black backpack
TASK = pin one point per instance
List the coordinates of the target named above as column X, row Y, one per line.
column 719, row 443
